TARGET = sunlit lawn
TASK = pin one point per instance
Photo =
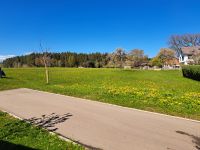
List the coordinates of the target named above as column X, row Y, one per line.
column 160, row 91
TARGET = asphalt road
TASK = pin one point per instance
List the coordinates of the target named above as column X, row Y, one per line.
column 102, row 126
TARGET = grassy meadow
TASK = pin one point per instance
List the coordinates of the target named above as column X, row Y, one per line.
column 166, row 92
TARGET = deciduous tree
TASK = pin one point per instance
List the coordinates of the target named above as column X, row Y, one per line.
column 176, row 42
column 164, row 57
column 136, row 57
column 117, row 58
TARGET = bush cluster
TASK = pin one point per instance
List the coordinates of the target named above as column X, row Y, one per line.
column 192, row 72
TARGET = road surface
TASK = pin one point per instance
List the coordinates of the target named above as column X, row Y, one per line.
column 102, row 126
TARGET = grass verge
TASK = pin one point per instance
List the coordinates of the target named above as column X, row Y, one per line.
column 17, row 134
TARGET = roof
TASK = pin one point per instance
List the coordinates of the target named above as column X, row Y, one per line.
column 173, row 61
column 190, row 50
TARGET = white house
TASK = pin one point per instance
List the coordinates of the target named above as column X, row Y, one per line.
column 187, row 53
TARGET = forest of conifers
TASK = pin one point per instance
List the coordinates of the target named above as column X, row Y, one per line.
column 66, row 59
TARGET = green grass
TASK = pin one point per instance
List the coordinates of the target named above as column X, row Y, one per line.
column 166, row 92
column 16, row 134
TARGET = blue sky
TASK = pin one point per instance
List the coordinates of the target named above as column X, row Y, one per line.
column 94, row 25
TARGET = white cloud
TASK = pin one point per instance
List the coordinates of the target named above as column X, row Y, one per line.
column 28, row 53
column 3, row 57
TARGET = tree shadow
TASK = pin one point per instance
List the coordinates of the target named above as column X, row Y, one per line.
column 5, row 145
column 49, row 121
column 7, row 78
column 195, row 139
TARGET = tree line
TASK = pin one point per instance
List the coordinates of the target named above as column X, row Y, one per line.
column 66, row 59
column 118, row 59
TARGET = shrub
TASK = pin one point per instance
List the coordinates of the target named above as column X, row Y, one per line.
column 192, row 72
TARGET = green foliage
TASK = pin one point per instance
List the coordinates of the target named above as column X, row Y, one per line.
column 161, row 91
column 17, row 134
column 156, row 62
column 192, row 72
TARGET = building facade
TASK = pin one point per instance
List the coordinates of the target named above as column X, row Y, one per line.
column 187, row 53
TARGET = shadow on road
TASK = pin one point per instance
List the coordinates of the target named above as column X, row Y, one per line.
column 5, row 145
column 195, row 139
column 49, row 121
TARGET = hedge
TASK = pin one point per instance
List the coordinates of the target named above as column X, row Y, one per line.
column 191, row 71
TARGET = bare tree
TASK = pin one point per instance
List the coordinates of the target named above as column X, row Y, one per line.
column 136, row 57
column 45, row 60
column 176, row 42
column 117, row 58
column 196, row 59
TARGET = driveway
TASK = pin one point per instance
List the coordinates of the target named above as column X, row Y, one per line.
column 102, row 126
